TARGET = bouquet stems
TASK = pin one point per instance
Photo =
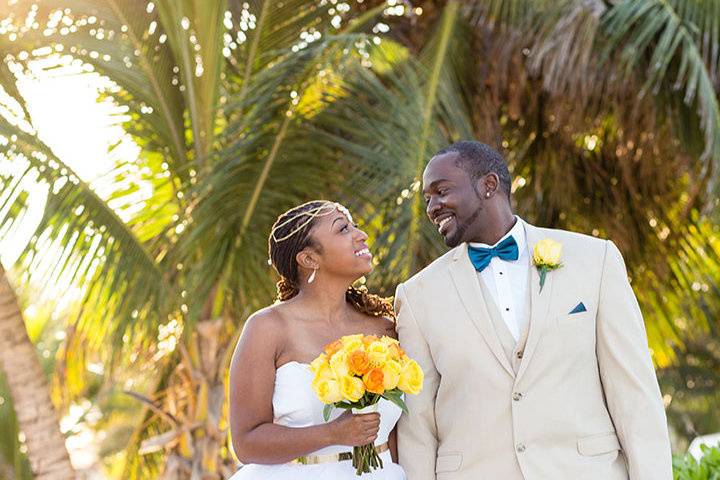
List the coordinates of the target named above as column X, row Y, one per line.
column 365, row 459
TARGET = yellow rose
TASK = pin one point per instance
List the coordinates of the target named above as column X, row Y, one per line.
column 333, row 347
column 351, row 338
column 395, row 352
column 368, row 339
column 339, row 364
column 391, row 374
column 389, row 340
column 411, row 378
column 316, row 364
column 328, row 391
column 547, row 252
column 323, row 372
column 352, row 388
column 378, row 353
column 353, row 346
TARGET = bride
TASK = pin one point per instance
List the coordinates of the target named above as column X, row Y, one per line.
column 276, row 420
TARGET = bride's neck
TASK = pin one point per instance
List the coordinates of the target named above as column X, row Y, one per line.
column 326, row 298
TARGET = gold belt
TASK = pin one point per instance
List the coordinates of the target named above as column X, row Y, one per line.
column 334, row 457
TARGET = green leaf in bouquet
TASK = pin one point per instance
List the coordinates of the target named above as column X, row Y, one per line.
column 327, row 410
column 395, row 396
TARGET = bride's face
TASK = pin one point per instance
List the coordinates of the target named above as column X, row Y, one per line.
column 343, row 248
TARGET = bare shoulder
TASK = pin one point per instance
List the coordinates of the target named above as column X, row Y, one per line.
column 264, row 323
column 382, row 326
column 261, row 335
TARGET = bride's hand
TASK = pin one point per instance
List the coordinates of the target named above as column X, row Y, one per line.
column 355, row 430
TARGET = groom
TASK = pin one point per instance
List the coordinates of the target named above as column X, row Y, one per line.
column 522, row 381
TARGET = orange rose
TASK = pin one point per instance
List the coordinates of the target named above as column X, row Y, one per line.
column 368, row 339
column 359, row 362
column 374, row 381
column 395, row 351
column 333, row 347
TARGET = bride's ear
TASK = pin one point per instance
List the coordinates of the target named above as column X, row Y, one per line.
column 307, row 259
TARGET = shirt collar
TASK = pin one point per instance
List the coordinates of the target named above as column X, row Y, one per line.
column 517, row 231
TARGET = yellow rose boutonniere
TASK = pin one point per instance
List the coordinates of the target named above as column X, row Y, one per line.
column 546, row 257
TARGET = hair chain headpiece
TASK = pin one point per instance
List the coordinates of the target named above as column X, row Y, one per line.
column 320, row 211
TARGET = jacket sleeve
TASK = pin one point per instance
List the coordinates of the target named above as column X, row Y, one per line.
column 417, row 431
column 627, row 375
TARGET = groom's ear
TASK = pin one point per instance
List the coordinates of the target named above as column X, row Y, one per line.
column 489, row 184
column 307, row 258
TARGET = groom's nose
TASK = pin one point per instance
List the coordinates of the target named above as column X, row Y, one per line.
column 433, row 206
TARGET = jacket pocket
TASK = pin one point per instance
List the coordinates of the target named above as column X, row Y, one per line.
column 581, row 318
column 598, row 444
column 448, row 462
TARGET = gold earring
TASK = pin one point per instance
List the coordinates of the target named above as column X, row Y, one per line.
column 487, row 194
column 311, row 278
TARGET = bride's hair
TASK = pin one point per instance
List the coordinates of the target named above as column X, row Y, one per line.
column 290, row 235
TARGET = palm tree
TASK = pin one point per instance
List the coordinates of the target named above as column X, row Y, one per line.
column 607, row 111
column 28, row 387
column 205, row 106
column 243, row 109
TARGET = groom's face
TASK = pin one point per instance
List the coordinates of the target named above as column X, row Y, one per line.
column 452, row 201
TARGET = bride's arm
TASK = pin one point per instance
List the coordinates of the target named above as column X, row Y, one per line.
column 255, row 438
column 392, row 443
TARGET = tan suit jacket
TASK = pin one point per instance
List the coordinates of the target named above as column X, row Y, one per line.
column 575, row 398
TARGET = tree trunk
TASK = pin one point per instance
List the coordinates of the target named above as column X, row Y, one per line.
column 29, row 388
column 193, row 404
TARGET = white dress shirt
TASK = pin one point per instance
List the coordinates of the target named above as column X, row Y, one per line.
column 508, row 281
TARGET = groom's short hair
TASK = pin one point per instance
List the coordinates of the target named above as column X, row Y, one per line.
column 479, row 159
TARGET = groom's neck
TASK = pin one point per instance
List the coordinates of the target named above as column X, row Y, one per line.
column 498, row 223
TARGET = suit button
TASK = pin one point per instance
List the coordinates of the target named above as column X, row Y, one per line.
column 519, row 354
column 517, row 396
column 520, row 447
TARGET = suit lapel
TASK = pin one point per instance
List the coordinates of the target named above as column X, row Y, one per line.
column 466, row 282
column 539, row 301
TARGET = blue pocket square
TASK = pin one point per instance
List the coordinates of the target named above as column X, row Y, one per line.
column 580, row 307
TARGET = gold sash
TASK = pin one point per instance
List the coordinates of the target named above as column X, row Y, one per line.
column 334, row 457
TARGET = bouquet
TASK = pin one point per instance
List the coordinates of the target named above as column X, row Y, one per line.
column 355, row 372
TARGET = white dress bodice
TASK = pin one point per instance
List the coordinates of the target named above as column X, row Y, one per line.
column 296, row 405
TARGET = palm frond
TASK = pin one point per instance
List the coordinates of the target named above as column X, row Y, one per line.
column 240, row 200
column 196, row 46
column 385, row 127
column 123, row 40
column 13, row 463
column 676, row 39
column 80, row 240
column 264, row 28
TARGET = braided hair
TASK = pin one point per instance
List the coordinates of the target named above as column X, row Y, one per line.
column 290, row 235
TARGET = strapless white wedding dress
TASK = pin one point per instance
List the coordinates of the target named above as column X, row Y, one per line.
column 295, row 405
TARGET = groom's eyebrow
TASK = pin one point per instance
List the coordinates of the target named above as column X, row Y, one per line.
column 434, row 184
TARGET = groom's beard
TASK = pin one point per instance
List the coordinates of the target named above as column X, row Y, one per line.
column 459, row 235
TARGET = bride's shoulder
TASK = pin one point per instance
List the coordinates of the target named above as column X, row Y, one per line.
column 382, row 326
column 265, row 322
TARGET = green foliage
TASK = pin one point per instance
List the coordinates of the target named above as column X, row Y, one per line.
column 708, row 468
column 13, row 463
column 606, row 111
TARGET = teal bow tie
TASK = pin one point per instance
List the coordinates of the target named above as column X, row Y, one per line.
column 505, row 250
